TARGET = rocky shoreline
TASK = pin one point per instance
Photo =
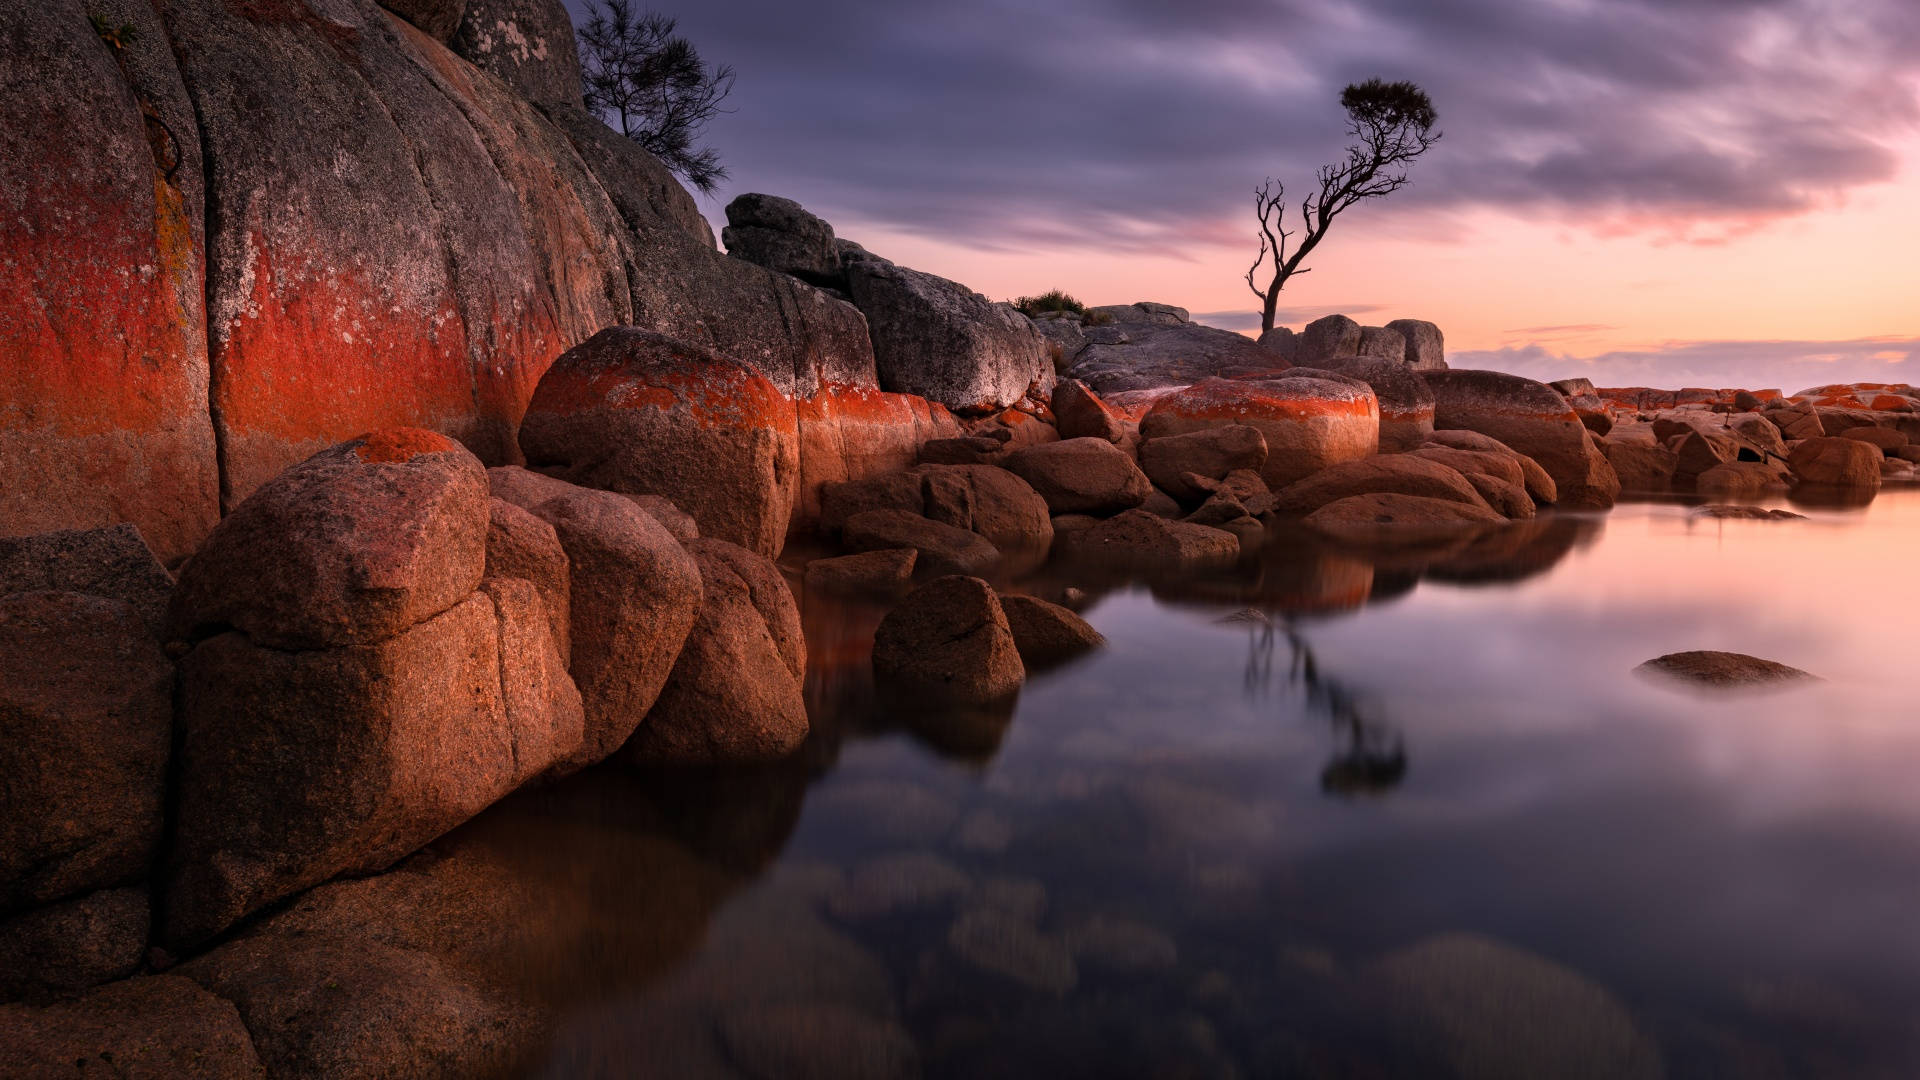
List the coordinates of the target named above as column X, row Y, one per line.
column 299, row 609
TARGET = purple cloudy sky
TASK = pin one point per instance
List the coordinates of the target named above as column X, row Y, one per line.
column 1018, row 146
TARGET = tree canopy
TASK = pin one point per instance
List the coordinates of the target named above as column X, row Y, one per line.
column 636, row 71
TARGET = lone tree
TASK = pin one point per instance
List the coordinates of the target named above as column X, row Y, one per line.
column 1394, row 123
column 636, row 69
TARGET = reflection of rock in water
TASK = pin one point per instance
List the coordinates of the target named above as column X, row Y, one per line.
column 460, row 959
column 1520, row 551
column 1371, row 757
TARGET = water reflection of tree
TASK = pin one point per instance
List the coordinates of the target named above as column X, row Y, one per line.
column 1370, row 757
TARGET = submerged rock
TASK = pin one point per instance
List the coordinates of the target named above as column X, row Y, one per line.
column 1722, row 670
column 1491, row 1010
column 1003, row 944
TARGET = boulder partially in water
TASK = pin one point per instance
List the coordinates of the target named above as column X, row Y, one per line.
column 950, row 641
column 734, row 692
column 1139, row 541
column 1047, row 633
column 1403, row 474
column 941, row 548
column 1390, row 518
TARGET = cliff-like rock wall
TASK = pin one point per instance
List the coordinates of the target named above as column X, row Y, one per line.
column 249, row 229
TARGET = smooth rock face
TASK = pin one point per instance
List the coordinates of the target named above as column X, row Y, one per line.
column 156, row 1026
column 113, row 562
column 351, row 546
column 635, row 594
column 1505, row 497
column 949, row 640
column 1837, row 462
column 939, row 340
column 101, row 287
column 544, row 713
column 638, row 412
column 735, row 692
column 1308, row 423
column 1533, row 419
column 1403, row 474
column 86, row 719
column 1387, row 518
column 1081, row 476
column 782, row 236
column 73, row 944
column 941, row 548
column 1047, row 633
column 529, row 43
column 298, row 766
column 1406, row 404
column 1209, row 452
column 1426, row 346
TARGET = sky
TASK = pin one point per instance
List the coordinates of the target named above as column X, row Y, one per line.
column 1644, row 192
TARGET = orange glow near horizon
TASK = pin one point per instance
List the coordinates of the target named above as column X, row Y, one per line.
column 1491, row 280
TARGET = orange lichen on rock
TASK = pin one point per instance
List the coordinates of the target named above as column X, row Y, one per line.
column 400, row 444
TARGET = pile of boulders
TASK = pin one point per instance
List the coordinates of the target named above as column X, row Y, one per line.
column 1747, row 444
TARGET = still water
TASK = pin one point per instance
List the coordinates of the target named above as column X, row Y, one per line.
column 1324, row 816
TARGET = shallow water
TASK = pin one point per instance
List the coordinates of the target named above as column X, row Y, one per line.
column 1417, row 816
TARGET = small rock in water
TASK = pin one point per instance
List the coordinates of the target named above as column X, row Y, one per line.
column 1047, row 634
column 1747, row 513
column 1722, row 670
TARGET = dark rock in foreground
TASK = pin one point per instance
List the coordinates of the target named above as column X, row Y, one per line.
column 949, row 639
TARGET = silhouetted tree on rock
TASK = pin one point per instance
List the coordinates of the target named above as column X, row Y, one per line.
column 635, row 69
column 1394, row 123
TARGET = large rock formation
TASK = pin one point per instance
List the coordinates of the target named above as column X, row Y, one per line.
column 781, row 235
column 408, row 239
column 103, row 284
column 1533, row 419
column 638, row 412
column 940, row 340
column 1308, row 422
column 355, row 685
column 1150, row 353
